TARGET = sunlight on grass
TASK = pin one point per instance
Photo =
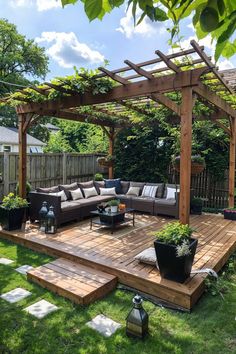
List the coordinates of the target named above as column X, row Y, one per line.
column 210, row 328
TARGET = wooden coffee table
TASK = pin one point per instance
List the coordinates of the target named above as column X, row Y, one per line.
column 111, row 220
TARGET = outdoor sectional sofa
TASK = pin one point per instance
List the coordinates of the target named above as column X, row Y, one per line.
column 70, row 210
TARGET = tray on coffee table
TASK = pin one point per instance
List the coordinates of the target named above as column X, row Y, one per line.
column 111, row 220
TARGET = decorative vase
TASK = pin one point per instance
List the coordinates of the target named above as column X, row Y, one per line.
column 172, row 267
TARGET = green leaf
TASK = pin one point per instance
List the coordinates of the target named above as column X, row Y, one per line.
column 221, row 6
column 116, row 3
column 93, row 8
column 141, row 18
column 67, row 2
column 160, row 15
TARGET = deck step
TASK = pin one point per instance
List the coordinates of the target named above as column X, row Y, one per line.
column 81, row 284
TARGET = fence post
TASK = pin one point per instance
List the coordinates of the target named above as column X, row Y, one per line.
column 64, row 168
column 6, row 173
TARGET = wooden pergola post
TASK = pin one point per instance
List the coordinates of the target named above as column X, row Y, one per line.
column 185, row 154
column 22, row 155
column 111, row 150
column 232, row 162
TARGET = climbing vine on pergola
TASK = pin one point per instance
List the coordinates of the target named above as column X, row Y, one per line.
column 111, row 99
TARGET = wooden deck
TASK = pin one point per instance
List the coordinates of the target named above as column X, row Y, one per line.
column 114, row 254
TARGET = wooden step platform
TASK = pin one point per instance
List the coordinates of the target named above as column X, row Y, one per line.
column 81, row 284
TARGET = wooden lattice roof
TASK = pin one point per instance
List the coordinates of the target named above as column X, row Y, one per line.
column 139, row 87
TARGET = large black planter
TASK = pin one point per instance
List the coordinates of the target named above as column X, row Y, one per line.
column 230, row 214
column 196, row 210
column 172, row 267
column 12, row 219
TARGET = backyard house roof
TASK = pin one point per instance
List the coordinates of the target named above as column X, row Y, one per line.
column 10, row 136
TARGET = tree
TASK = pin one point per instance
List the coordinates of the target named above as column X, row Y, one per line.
column 19, row 57
column 57, row 143
column 217, row 17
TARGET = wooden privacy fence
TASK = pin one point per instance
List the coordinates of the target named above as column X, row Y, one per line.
column 45, row 170
column 214, row 193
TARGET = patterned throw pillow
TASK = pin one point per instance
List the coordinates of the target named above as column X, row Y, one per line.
column 149, row 191
column 60, row 194
column 133, row 191
column 76, row 194
column 90, row 192
column 108, row 191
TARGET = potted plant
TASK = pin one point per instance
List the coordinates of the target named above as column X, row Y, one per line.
column 196, row 206
column 28, row 188
column 106, row 161
column 12, row 211
column 197, row 164
column 114, row 203
column 175, row 250
column 230, row 213
column 98, row 177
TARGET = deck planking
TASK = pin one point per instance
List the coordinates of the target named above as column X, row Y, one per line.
column 114, row 254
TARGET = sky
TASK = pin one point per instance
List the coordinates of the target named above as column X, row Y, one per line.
column 71, row 40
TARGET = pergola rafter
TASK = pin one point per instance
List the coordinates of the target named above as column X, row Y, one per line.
column 137, row 87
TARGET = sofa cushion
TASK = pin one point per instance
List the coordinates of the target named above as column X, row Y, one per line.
column 149, row 191
column 69, row 205
column 90, row 192
column 61, row 194
column 160, row 189
column 53, row 189
column 76, row 194
column 88, row 184
column 108, row 191
column 134, row 191
column 124, row 187
column 165, row 202
column 98, row 185
column 94, row 200
column 110, row 183
column 67, row 188
column 138, row 184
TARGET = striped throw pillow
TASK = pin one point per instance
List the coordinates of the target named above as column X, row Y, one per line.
column 149, row 191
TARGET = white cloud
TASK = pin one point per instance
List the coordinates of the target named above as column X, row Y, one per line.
column 225, row 64
column 68, row 51
column 146, row 28
column 41, row 5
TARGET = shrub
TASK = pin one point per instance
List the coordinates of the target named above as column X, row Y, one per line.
column 174, row 233
column 114, row 202
column 13, row 202
column 197, row 202
column 98, row 177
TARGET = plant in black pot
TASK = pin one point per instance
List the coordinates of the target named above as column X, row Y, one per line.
column 230, row 213
column 175, row 250
column 12, row 211
column 196, row 206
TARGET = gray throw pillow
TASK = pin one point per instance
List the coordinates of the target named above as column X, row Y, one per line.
column 147, row 256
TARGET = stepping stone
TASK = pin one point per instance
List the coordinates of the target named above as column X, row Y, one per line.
column 15, row 295
column 24, row 269
column 41, row 309
column 6, row 261
column 104, row 325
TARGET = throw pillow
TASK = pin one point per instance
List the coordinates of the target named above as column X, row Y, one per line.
column 98, row 185
column 171, row 193
column 149, row 191
column 76, row 194
column 110, row 183
column 90, row 192
column 67, row 188
column 147, row 256
column 60, row 194
column 133, row 191
column 108, row 191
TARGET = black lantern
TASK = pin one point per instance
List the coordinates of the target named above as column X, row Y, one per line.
column 42, row 217
column 51, row 222
column 137, row 320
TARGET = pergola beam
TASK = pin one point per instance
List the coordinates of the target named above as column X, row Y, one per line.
column 166, row 101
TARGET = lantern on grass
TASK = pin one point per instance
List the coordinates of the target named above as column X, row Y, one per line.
column 51, row 222
column 137, row 320
column 42, row 217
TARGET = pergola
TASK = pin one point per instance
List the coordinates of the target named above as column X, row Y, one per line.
column 137, row 84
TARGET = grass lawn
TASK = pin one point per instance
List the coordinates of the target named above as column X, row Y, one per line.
column 210, row 328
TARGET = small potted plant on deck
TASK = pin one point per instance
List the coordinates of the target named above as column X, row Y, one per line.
column 230, row 213
column 12, row 211
column 175, row 250
column 196, row 206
